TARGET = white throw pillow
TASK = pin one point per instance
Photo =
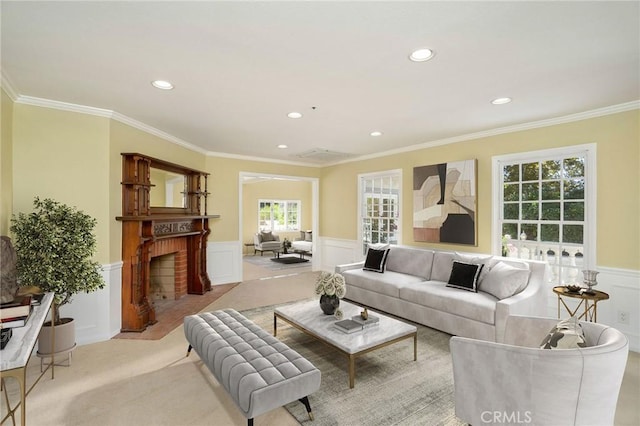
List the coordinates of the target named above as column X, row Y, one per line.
column 504, row 280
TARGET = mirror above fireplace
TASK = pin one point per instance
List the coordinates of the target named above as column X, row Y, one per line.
column 168, row 189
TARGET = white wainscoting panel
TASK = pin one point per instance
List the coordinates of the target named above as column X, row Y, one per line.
column 337, row 252
column 623, row 287
column 224, row 262
column 98, row 314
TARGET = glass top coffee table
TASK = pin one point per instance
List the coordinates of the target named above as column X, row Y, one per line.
column 308, row 318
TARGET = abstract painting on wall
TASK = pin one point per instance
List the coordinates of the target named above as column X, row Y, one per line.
column 444, row 203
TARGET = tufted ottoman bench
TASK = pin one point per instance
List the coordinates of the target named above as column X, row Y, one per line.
column 258, row 371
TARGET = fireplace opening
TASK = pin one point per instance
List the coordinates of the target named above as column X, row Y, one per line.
column 162, row 280
column 167, row 274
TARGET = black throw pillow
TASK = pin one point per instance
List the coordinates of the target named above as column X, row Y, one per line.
column 465, row 276
column 376, row 260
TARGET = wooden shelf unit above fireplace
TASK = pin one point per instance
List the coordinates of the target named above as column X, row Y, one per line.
column 144, row 227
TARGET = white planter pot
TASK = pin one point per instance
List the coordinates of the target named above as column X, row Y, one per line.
column 65, row 338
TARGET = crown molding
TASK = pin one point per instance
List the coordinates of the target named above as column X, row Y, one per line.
column 156, row 132
column 83, row 109
column 614, row 109
column 7, row 86
column 64, row 106
column 107, row 113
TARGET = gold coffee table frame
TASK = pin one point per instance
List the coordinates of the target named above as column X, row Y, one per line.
column 589, row 301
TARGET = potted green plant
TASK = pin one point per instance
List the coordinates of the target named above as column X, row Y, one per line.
column 54, row 247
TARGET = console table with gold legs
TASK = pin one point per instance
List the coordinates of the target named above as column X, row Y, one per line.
column 15, row 357
column 588, row 301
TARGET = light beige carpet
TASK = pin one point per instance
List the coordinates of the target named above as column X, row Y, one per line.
column 123, row 382
column 150, row 382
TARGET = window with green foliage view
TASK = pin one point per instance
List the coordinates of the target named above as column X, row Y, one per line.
column 543, row 205
column 279, row 215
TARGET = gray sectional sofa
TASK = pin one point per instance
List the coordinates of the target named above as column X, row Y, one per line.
column 414, row 286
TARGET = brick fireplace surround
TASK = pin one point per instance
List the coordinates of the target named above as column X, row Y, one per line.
column 178, row 247
column 145, row 238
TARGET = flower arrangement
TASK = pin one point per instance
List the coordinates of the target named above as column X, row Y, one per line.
column 331, row 284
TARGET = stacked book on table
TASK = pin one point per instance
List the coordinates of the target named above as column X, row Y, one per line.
column 356, row 323
column 15, row 314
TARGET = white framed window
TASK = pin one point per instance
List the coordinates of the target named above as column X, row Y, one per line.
column 279, row 215
column 379, row 198
column 545, row 209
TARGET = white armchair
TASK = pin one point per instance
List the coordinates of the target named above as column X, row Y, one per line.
column 515, row 382
column 266, row 241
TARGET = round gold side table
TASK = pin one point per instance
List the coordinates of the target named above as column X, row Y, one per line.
column 589, row 300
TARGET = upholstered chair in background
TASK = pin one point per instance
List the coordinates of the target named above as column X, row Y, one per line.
column 266, row 241
column 516, row 382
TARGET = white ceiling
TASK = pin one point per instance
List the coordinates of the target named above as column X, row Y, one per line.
column 240, row 67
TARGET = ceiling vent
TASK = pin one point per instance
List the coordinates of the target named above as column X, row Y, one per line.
column 321, row 155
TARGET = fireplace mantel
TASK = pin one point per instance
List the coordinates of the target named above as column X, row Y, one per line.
column 144, row 227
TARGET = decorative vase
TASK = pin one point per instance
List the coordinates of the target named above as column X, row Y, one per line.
column 590, row 279
column 329, row 304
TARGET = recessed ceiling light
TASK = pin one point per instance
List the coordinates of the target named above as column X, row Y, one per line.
column 282, row 146
column 422, row 55
column 501, row 101
column 161, row 84
column 294, row 115
column 376, row 133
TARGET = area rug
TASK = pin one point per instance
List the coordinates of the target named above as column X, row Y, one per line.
column 390, row 388
column 266, row 262
column 289, row 260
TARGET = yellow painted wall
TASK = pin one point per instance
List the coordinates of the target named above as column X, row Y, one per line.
column 274, row 190
column 618, row 191
column 64, row 156
column 75, row 158
column 6, row 163
column 223, row 185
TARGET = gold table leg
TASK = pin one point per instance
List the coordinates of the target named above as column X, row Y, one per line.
column 20, row 374
column 352, row 371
